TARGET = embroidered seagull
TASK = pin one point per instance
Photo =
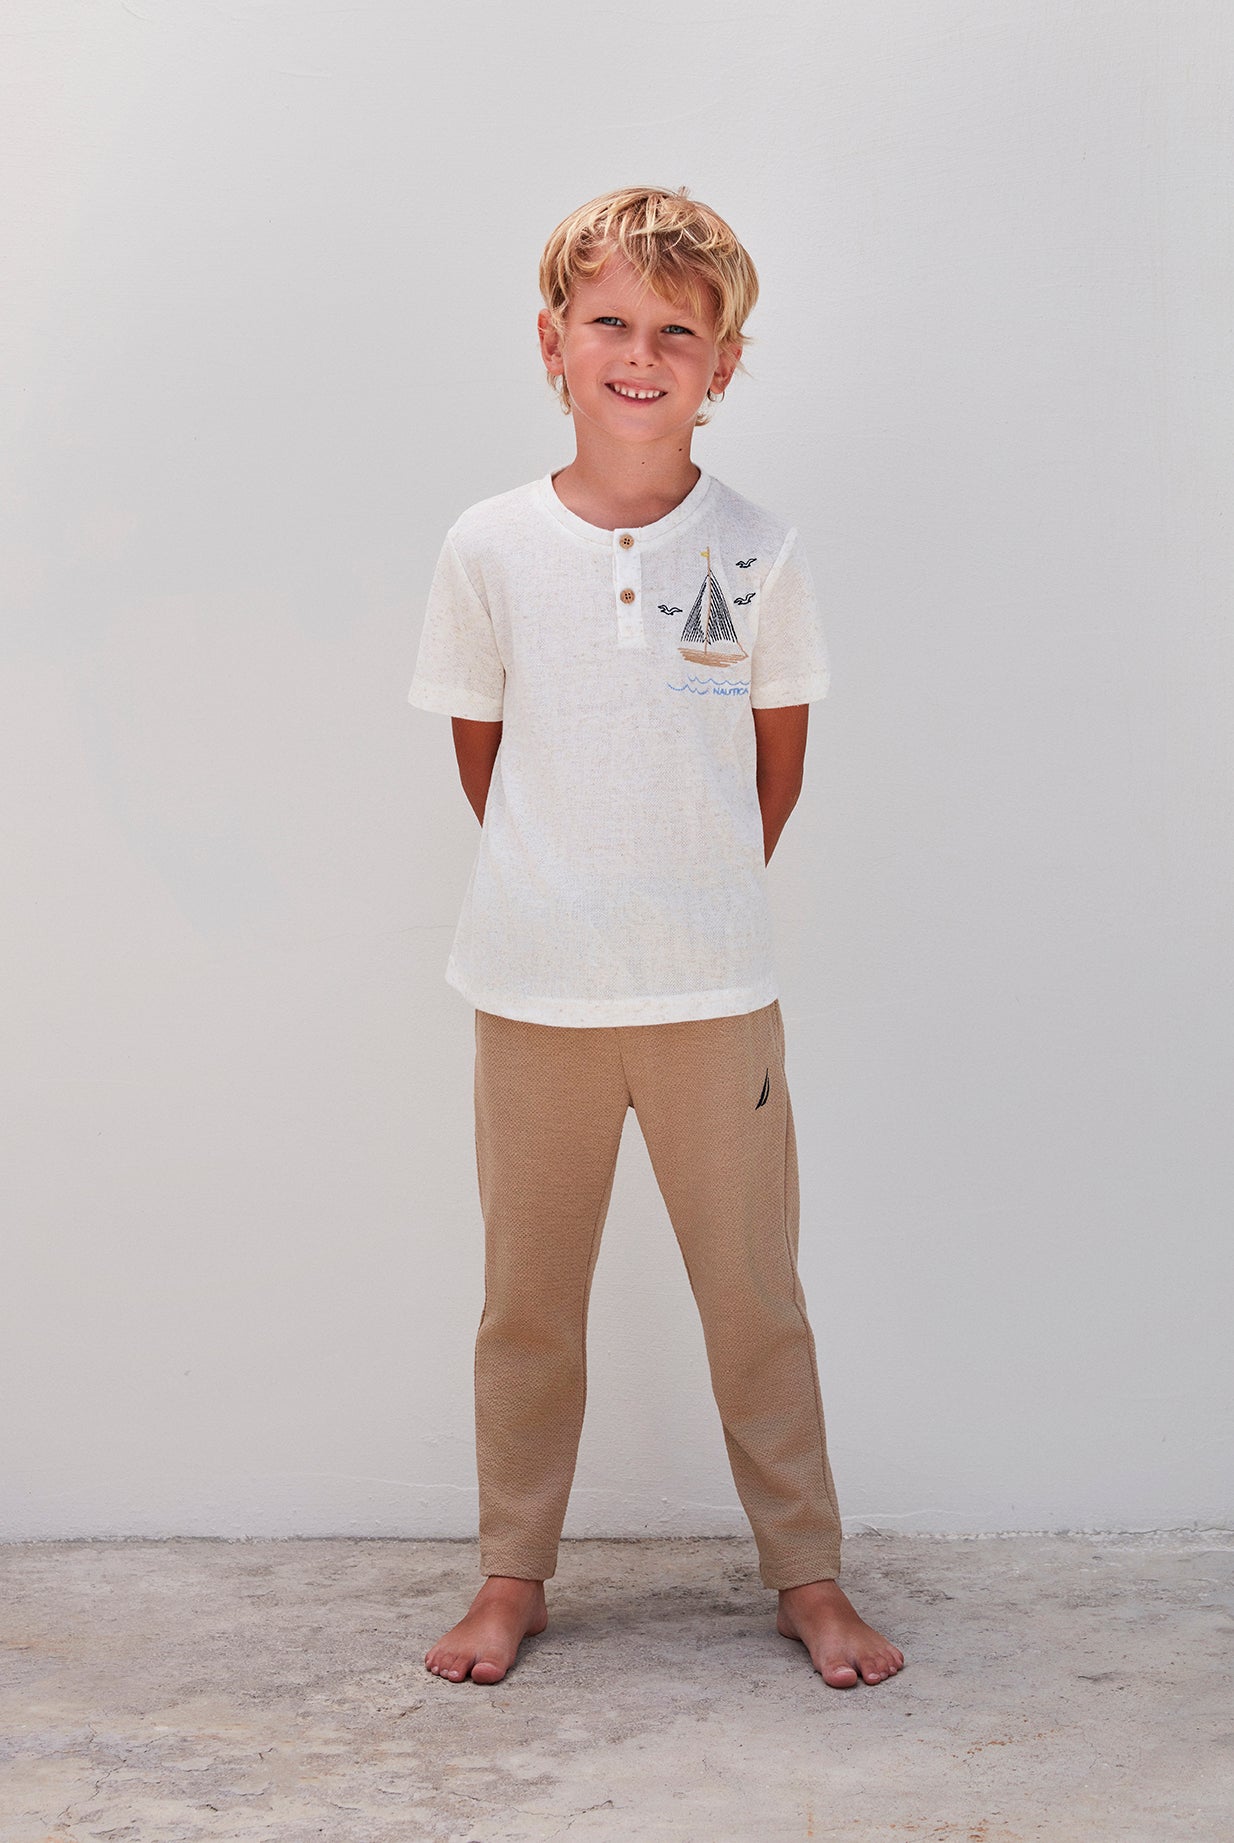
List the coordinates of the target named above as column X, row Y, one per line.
column 664, row 609
column 739, row 601
column 747, row 563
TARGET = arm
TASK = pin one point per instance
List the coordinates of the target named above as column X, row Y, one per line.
column 780, row 735
column 475, row 746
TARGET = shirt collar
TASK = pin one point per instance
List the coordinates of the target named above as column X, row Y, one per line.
column 645, row 534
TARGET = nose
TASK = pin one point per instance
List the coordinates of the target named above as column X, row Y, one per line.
column 639, row 348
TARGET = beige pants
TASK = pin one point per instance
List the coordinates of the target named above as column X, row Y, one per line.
column 711, row 1099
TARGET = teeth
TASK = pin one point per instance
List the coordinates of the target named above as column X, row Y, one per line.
column 640, row 396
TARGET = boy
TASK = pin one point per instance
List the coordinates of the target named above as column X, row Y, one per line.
column 627, row 649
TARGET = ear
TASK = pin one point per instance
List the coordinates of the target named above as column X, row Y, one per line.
column 550, row 344
column 726, row 364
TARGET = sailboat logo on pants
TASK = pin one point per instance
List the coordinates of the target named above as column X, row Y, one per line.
column 762, row 1099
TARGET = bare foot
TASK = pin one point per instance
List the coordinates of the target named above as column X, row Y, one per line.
column 843, row 1648
column 486, row 1639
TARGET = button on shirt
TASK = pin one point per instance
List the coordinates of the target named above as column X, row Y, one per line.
column 620, row 876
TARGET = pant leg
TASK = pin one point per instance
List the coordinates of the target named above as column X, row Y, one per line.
column 712, row 1100
column 550, row 1101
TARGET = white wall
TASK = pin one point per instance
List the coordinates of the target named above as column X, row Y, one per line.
column 269, row 301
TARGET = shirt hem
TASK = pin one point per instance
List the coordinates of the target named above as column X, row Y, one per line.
column 669, row 1008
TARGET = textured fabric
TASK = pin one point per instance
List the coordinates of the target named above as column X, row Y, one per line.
column 711, row 1098
column 619, row 877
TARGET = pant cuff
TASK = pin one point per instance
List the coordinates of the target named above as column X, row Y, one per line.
column 523, row 1567
column 822, row 1568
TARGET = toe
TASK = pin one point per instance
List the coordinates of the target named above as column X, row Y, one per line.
column 838, row 1672
column 487, row 1670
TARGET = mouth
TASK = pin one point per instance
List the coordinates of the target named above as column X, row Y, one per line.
column 632, row 393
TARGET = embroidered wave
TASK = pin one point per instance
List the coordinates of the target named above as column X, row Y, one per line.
column 710, row 687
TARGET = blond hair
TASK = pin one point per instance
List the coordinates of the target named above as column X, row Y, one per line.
column 680, row 248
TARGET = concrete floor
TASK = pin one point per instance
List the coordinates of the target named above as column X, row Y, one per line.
column 1073, row 1687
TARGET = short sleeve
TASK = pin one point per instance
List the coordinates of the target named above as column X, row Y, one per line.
column 458, row 668
column 790, row 663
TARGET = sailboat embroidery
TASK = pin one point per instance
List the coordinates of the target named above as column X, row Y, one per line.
column 709, row 637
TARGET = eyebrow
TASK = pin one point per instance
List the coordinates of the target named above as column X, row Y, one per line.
column 678, row 314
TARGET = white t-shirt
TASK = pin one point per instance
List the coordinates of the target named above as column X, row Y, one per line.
column 619, row 877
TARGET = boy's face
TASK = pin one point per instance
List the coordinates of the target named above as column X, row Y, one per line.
column 620, row 339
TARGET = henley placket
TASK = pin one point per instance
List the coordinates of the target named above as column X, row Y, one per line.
column 628, row 589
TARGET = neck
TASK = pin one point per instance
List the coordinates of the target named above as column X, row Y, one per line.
column 612, row 483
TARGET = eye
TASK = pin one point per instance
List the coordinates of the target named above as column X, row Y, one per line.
column 678, row 329
column 608, row 320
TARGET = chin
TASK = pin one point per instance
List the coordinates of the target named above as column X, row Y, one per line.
column 637, row 428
